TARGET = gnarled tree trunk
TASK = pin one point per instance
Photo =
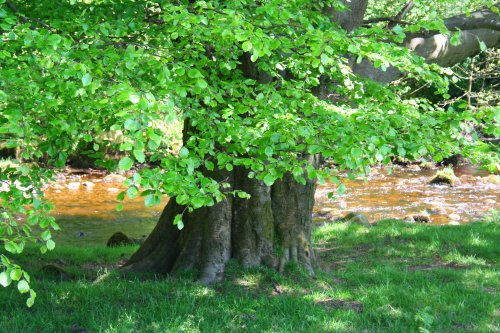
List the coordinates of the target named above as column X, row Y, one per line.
column 271, row 228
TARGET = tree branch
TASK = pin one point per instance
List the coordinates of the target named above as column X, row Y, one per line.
column 437, row 48
column 483, row 18
column 25, row 18
column 383, row 19
column 398, row 19
column 402, row 13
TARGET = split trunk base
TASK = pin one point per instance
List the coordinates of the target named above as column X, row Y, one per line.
column 271, row 228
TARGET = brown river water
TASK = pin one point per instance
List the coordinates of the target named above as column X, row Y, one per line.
column 87, row 214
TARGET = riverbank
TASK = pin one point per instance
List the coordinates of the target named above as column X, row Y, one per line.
column 392, row 277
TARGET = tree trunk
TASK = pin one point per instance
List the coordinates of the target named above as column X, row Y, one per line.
column 271, row 228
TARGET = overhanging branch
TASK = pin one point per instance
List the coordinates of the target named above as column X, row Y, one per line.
column 478, row 30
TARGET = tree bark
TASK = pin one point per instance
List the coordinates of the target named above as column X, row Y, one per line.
column 271, row 228
column 481, row 26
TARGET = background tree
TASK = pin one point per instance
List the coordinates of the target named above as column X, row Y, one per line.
column 262, row 89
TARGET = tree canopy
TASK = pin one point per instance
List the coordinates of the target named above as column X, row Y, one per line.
column 260, row 85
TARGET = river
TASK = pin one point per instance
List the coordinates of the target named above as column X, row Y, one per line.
column 85, row 203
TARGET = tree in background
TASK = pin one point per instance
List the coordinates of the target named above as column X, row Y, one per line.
column 262, row 87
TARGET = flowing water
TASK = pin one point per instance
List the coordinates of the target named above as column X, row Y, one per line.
column 405, row 192
column 87, row 214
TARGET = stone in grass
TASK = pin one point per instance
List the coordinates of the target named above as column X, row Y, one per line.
column 444, row 177
column 119, row 239
column 57, row 272
column 139, row 240
column 357, row 218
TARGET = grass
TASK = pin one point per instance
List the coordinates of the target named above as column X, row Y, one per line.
column 393, row 277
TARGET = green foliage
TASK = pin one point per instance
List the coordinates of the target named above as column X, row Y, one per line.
column 72, row 70
column 426, row 9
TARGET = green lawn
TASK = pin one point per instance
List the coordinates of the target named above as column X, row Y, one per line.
column 393, row 277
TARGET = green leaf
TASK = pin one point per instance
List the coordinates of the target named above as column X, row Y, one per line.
column 36, row 203
column 201, row 83
column 455, row 39
column 356, row 153
column 341, row 190
column 86, row 80
column 125, row 163
column 132, row 192
column 50, row 245
column 46, row 235
column 482, row 46
column 23, row 286
column 26, row 277
column 119, row 207
column 178, row 221
column 31, row 300
column 197, row 202
column 134, row 98
column 5, row 279
column 247, row 46
column 184, row 152
column 269, row 179
column 243, row 195
column 149, row 201
column 194, row 73
column 137, row 178
column 139, row 156
column 16, row 274
column 209, row 165
column 182, row 199
column 11, row 247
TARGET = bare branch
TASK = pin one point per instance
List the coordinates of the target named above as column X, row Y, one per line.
column 402, row 13
column 398, row 19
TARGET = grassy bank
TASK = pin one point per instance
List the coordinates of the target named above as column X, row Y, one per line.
column 393, row 277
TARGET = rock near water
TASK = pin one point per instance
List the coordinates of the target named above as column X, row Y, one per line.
column 119, row 239
column 357, row 218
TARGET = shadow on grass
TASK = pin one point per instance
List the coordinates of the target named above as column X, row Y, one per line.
column 393, row 277
column 440, row 278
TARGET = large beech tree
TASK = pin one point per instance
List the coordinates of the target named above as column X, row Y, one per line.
column 263, row 89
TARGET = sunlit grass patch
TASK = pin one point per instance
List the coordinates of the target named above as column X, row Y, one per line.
column 392, row 277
